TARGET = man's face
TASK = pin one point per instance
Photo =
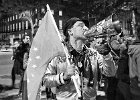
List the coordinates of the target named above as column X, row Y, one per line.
column 27, row 39
column 78, row 30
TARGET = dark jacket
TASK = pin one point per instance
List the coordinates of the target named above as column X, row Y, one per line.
column 134, row 58
column 18, row 55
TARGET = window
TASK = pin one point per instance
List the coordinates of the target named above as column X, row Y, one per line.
column 10, row 18
column 13, row 17
column 8, row 28
column 16, row 26
column 26, row 24
column 60, row 13
column 22, row 25
column 13, row 27
column 36, row 11
column 60, row 24
column 5, row 28
column 16, row 16
column 19, row 25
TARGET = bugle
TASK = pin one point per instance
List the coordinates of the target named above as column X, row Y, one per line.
column 109, row 23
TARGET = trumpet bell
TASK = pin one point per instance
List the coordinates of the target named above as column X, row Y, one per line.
column 111, row 22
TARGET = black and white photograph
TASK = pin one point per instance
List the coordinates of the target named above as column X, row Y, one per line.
column 69, row 49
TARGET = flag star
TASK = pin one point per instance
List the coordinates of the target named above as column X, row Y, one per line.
column 29, row 95
column 37, row 57
column 30, row 59
column 28, row 64
column 28, row 80
column 35, row 49
column 34, row 66
column 32, row 75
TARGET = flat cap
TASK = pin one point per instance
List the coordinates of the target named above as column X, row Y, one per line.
column 71, row 22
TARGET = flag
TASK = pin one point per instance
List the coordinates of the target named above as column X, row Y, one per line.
column 46, row 45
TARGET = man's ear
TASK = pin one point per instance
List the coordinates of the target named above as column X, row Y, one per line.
column 70, row 32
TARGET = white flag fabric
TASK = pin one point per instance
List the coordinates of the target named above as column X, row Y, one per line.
column 46, row 45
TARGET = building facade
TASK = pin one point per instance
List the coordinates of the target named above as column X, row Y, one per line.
column 13, row 27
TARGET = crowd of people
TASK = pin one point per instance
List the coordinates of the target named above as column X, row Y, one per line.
column 116, row 60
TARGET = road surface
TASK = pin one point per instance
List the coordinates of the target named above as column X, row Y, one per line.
column 6, row 64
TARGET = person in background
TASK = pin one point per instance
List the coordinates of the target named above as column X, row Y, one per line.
column 83, row 63
column 123, row 87
column 134, row 66
column 108, row 71
column 15, row 69
column 18, row 60
column 119, row 51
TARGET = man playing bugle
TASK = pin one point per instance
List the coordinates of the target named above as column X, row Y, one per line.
column 83, row 65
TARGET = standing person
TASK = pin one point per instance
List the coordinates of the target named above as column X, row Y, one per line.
column 84, row 63
column 108, row 71
column 123, row 87
column 24, row 49
column 18, row 62
column 119, row 48
column 134, row 67
column 15, row 69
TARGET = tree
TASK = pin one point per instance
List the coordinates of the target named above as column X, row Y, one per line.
column 82, row 8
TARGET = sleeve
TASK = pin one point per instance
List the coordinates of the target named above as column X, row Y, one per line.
column 52, row 78
column 25, row 60
column 14, row 53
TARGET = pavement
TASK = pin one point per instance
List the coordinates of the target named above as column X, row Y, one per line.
column 6, row 91
column 6, row 50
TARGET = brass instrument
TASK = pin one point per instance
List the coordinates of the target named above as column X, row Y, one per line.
column 101, row 29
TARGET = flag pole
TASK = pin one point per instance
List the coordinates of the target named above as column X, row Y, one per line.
column 67, row 55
